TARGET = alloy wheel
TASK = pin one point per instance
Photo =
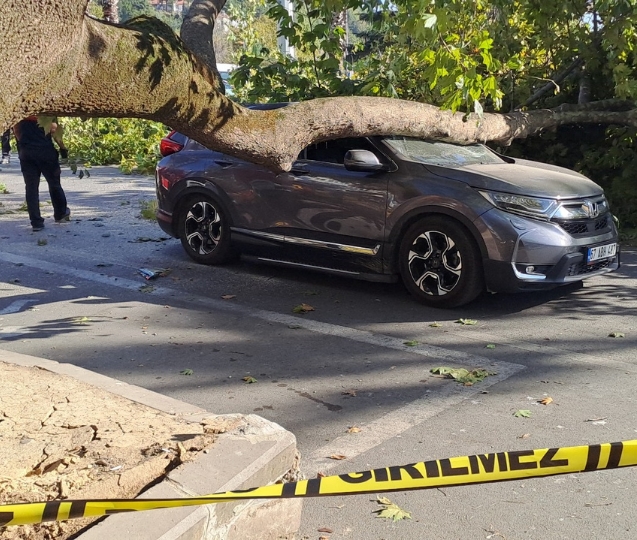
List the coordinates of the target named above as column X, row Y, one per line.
column 434, row 263
column 203, row 228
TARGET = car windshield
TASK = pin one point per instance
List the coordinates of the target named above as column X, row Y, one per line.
column 441, row 153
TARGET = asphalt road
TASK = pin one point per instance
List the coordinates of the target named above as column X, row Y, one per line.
column 362, row 358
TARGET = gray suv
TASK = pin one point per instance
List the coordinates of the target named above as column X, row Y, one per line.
column 451, row 221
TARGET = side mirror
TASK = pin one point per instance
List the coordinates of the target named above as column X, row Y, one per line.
column 362, row 160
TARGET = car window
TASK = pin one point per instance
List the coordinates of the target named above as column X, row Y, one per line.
column 334, row 151
column 441, row 153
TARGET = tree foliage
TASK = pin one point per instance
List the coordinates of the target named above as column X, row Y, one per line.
column 468, row 55
column 131, row 143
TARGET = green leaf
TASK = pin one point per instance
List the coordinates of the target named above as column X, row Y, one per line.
column 463, row 375
column 249, row 380
column 435, row 324
column 186, row 372
column 467, row 321
column 490, row 346
column 411, row 343
column 391, row 510
column 522, row 413
column 616, row 334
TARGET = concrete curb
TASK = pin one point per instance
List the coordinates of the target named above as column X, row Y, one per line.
column 255, row 453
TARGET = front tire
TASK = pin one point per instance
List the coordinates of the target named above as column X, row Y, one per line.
column 204, row 230
column 440, row 263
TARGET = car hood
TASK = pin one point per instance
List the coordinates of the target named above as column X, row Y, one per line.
column 524, row 178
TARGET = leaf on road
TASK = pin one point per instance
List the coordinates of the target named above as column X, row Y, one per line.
column 186, row 372
column 463, row 375
column 249, row 380
column 467, row 321
column 351, row 393
column 354, row 429
column 391, row 510
column 524, row 436
column 338, row 457
column 302, row 308
column 42, row 242
column 81, row 320
column 490, row 346
column 146, row 288
column 616, row 334
column 435, row 324
column 522, row 413
column 546, row 400
column 228, row 296
column 325, row 530
column 411, row 343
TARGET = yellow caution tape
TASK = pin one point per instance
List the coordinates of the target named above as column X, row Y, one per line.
column 457, row 471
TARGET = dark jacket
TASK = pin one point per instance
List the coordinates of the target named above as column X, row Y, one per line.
column 29, row 133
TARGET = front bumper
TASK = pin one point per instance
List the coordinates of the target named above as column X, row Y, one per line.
column 557, row 257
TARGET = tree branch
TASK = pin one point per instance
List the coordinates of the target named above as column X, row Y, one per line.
column 196, row 32
column 553, row 83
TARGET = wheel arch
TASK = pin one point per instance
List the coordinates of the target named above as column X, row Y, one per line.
column 202, row 186
column 406, row 221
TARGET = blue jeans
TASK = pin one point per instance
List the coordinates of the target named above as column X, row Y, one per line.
column 36, row 161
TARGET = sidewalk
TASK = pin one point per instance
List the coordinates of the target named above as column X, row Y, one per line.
column 66, row 432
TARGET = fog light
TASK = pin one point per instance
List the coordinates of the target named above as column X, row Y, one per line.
column 530, row 269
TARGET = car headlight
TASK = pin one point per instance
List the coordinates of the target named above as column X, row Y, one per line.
column 534, row 207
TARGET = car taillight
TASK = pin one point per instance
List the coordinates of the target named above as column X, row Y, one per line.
column 167, row 146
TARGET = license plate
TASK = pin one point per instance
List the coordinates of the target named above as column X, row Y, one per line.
column 601, row 252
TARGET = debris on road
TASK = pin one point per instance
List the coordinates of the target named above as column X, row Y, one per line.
column 391, row 510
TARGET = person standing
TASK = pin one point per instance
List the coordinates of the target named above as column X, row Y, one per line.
column 38, row 157
column 6, row 147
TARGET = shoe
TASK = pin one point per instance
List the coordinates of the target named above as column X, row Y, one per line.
column 37, row 228
column 65, row 217
column 6, row 160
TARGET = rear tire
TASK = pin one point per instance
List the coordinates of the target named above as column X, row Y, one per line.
column 204, row 230
column 440, row 263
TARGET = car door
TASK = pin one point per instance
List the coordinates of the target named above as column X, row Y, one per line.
column 324, row 214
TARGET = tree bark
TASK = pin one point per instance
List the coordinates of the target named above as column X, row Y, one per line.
column 143, row 70
column 196, row 32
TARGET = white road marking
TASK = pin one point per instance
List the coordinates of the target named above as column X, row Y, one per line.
column 15, row 306
column 376, row 432
column 398, row 421
column 334, row 330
